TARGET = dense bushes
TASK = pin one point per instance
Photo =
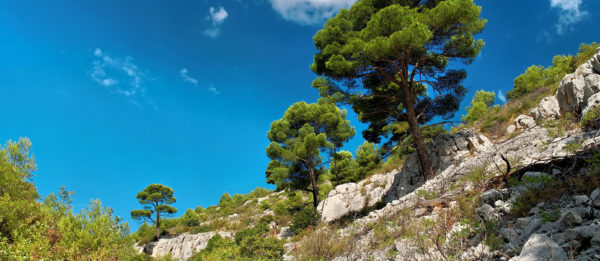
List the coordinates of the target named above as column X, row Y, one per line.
column 536, row 76
column 248, row 244
column 49, row 230
column 305, row 218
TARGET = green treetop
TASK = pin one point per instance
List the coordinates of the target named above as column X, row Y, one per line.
column 480, row 105
column 389, row 60
column 297, row 141
column 156, row 199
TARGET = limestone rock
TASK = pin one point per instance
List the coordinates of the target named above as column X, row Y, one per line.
column 539, row 247
column 592, row 102
column 569, row 219
column 548, row 108
column 490, row 196
column 183, row 246
column 486, row 212
column 353, row 197
column 571, row 94
column 511, row 128
column 524, row 122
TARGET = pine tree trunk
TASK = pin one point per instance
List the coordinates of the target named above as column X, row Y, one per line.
column 413, row 124
column 315, row 189
column 157, row 225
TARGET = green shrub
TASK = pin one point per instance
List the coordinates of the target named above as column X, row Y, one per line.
column 255, row 246
column 480, row 106
column 305, row 218
column 190, row 218
column 218, row 248
column 591, row 118
column 258, row 229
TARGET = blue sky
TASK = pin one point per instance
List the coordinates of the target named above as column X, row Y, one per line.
column 116, row 95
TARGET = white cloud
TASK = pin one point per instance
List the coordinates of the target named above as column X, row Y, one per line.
column 186, row 77
column 569, row 13
column 309, row 12
column 501, row 96
column 213, row 89
column 216, row 17
column 184, row 74
column 109, row 72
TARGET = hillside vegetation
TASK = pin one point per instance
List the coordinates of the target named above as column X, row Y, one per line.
column 468, row 197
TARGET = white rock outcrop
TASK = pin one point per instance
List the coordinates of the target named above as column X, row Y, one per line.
column 182, row 246
column 575, row 89
column 353, row 197
column 548, row 108
column 443, row 151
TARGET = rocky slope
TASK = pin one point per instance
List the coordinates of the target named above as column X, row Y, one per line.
column 463, row 163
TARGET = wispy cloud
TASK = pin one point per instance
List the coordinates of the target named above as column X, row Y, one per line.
column 569, row 13
column 187, row 78
column 501, row 96
column 118, row 75
column 184, row 74
column 309, row 12
column 213, row 89
column 216, row 17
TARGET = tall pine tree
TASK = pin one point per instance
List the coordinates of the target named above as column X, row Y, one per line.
column 390, row 60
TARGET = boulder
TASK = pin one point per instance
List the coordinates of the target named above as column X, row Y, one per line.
column 571, row 94
column 524, row 122
column 511, row 128
column 486, row 213
column 539, row 247
column 569, row 219
column 353, row 197
column 592, row 102
column 490, row 196
column 548, row 108
column 285, row 232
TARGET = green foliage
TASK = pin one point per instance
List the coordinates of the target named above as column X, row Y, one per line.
column 591, row 119
column 480, row 106
column 255, row 246
column 359, row 51
column 218, row 248
column 297, row 141
column 306, row 217
column 156, row 199
column 534, row 189
column 549, row 216
column 536, row 76
column 190, row 218
column 353, row 170
column 144, row 234
column 96, row 232
column 259, row 229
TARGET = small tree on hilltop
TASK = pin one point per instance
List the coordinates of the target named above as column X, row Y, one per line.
column 156, row 199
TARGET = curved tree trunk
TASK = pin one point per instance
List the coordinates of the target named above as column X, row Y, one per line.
column 413, row 124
